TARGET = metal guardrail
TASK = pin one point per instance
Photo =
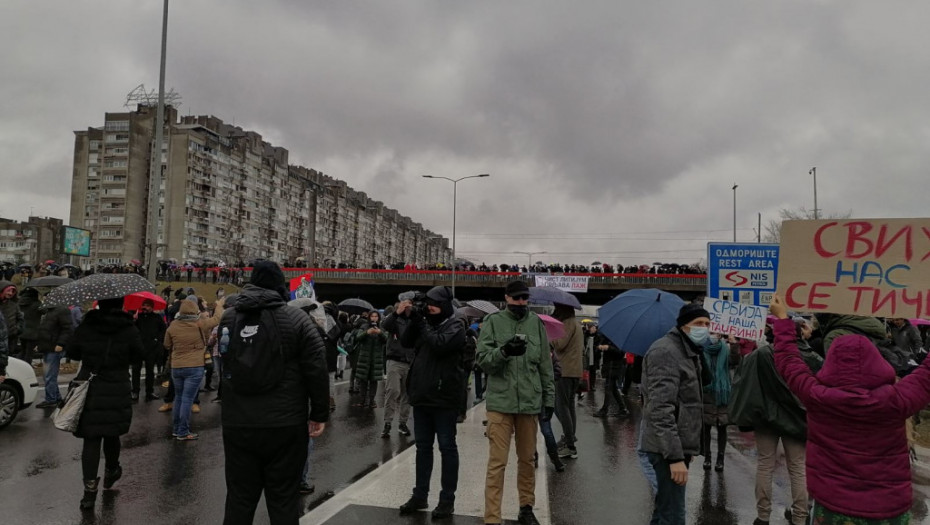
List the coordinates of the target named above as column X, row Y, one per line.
column 595, row 280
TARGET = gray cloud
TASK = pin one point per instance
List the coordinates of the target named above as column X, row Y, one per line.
column 602, row 117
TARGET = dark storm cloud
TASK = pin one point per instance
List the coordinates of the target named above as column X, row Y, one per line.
column 622, row 115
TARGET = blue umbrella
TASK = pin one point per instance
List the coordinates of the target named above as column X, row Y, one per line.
column 635, row 319
column 553, row 295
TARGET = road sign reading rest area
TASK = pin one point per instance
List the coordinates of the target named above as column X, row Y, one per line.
column 742, row 272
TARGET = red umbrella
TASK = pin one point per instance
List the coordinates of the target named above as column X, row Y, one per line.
column 554, row 328
column 134, row 301
column 919, row 322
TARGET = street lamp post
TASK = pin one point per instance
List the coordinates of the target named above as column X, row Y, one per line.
column 734, row 211
column 155, row 175
column 813, row 172
column 455, row 185
column 529, row 257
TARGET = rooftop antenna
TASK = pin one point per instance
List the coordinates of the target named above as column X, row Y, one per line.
column 139, row 96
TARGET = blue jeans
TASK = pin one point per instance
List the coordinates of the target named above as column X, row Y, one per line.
column 545, row 427
column 648, row 471
column 670, row 496
column 52, row 361
column 308, row 465
column 186, row 384
column 439, row 423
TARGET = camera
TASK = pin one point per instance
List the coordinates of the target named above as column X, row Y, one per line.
column 520, row 337
column 417, row 300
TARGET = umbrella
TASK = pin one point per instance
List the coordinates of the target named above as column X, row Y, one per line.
column 98, row 286
column 635, row 319
column 49, row 281
column 554, row 328
column 135, row 262
column 483, row 306
column 919, row 322
column 356, row 306
column 134, row 301
column 553, row 295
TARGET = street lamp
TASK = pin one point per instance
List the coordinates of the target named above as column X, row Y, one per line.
column 155, row 167
column 734, row 211
column 529, row 257
column 813, row 172
column 455, row 185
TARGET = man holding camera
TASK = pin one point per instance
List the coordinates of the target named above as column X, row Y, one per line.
column 434, row 388
column 398, row 366
column 514, row 351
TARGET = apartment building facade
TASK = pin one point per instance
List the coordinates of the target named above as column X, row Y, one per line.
column 227, row 195
column 36, row 240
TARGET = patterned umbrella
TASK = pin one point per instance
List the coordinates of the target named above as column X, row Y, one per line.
column 96, row 287
column 483, row 306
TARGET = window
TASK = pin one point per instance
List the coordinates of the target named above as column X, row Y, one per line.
column 117, row 137
column 117, row 125
column 93, row 158
column 93, row 145
column 115, row 163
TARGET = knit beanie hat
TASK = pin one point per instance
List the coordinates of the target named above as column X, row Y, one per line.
column 690, row 312
column 189, row 308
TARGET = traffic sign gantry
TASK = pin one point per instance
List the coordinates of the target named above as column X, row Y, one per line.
column 742, row 272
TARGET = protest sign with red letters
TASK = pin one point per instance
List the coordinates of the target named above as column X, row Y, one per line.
column 870, row 267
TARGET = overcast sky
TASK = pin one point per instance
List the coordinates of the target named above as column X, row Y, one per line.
column 614, row 128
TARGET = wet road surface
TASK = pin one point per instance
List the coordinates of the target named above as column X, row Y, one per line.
column 168, row 482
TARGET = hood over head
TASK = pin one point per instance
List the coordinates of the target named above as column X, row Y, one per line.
column 189, row 308
column 854, row 361
column 106, row 321
column 256, row 298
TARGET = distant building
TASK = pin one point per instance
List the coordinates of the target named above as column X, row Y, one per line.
column 36, row 240
column 227, row 195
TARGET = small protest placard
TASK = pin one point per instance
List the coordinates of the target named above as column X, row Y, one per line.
column 870, row 267
column 567, row 283
column 737, row 319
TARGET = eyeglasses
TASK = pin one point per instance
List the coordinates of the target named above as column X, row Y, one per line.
column 520, row 297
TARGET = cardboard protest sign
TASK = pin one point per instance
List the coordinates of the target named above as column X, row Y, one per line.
column 870, row 267
column 736, row 319
column 567, row 283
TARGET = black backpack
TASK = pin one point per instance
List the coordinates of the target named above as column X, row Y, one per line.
column 254, row 360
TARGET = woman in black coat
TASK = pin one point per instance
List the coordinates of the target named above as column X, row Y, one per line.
column 106, row 342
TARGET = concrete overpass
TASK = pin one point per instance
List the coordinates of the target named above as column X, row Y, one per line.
column 381, row 287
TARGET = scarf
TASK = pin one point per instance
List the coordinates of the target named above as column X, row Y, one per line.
column 716, row 360
column 187, row 317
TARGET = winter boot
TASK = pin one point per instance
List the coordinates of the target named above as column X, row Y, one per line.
column 110, row 476
column 719, row 466
column 90, row 493
column 386, row 432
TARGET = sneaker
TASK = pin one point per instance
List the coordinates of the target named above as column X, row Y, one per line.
column 134, row 396
column 47, row 404
column 166, row 407
column 164, row 384
column 758, row 521
column 151, row 397
column 306, row 488
column 403, row 430
column 189, row 437
column 581, row 396
column 526, row 516
column 386, row 432
column 556, row 462
column 443, row 510
column 195, row 408
column 413, row 504
column 568, row 452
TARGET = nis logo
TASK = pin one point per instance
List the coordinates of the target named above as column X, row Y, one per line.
column 740, row 279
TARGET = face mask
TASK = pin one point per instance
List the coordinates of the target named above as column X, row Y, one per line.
column 698, row 334
column 714, row 339
column 518, row 310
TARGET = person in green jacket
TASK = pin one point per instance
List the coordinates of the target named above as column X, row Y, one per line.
column 514, row 351
column 369, row 343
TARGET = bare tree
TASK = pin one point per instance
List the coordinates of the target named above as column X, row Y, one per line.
column 773, row 228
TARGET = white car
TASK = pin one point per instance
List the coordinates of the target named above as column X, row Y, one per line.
column 18, row 391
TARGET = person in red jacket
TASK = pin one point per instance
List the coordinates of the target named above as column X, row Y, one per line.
column 858, row 466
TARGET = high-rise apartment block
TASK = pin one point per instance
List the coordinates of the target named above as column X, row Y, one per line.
column 228, row 195
column 30, row 242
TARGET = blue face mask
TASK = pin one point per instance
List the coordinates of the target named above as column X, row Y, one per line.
column 698, row 334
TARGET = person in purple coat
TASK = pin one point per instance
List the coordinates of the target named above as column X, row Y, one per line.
column 858, row 465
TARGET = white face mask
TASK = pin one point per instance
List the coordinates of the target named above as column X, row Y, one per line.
column 698, row 334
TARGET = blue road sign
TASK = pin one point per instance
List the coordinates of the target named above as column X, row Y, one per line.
column 742, row 272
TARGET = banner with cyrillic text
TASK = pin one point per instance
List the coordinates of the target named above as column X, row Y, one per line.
column 567, row 283
column 870, row 267
column 737, row 319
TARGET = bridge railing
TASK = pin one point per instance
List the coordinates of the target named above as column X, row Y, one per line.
column 489, row 278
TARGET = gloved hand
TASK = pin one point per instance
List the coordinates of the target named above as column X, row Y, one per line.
column 514, row 347
column 547, row 413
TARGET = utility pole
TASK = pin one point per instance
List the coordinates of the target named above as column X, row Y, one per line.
column 155, row 168
column 813, row 172
column 734, row 211
column 759, row 230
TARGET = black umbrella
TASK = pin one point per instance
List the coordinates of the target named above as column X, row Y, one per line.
column 553, row 295
column 356, row 306
column 96, row 287
column 49, row 281
column 484, row 307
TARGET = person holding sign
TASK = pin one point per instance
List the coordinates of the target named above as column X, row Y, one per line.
column 858, row 464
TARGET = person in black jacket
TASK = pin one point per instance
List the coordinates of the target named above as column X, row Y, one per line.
column 105, row 342
column 31, row 307
column 398, row 359
column 152, row 329
column 55, row 330
column 614, row 371
column 434, row 387
column 265, row 435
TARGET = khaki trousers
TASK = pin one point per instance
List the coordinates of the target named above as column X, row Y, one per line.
column 500, row 429
column 767, row 447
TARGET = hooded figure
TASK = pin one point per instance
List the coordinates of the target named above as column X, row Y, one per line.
column 858, row 463
column 9, row 307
